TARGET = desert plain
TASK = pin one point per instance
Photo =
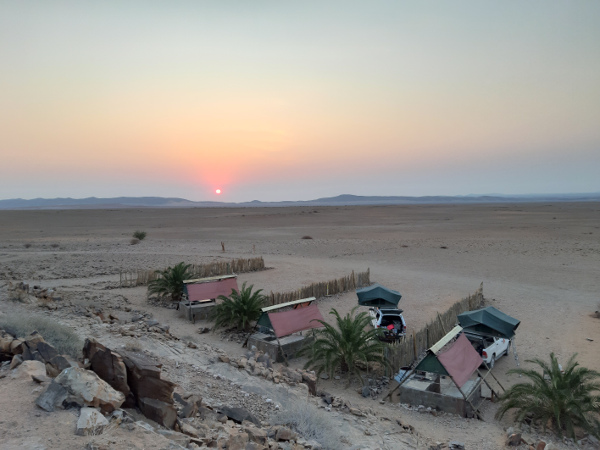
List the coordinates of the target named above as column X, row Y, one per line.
column 538, row 262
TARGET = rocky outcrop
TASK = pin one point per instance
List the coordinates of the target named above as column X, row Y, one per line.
column 137, row 377
column 80, row 387
column 107, row 364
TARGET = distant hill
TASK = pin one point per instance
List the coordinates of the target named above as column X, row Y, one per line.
column 345, row 199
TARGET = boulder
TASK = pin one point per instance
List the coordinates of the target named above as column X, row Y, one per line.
column 189, row 410
column 27, row 369
column 85, row 388
column 143, row 378
column 90, row 421
column 255, row 434
column 284, row 434
column 52, row 397
column 46, row 351
column 107, row 365
column 5, row 341
column 16, row 346
column 311, row 382
column 238, row 415
column 56, row 365
column 159, row 411
column 513, row 440
column 179, row 438
column 16, row 361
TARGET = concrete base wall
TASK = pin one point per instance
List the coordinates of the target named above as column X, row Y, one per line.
column 196, row 311
column 441, row 402
column 290, row 345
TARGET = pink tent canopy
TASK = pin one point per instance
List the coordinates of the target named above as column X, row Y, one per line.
column 212, row 289
column 460, row 360
column 287, row 322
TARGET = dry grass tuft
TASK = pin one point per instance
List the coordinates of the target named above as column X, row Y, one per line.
column 311, row 423
column 60, row 336
column 134, row 241
column 306, row 237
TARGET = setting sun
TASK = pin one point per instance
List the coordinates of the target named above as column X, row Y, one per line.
column 218, row 191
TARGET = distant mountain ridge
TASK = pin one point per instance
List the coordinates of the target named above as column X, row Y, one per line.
column 344, row 199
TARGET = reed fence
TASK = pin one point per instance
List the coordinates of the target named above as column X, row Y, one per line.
column 407, row 350
column 322, row 289
column 217, row 268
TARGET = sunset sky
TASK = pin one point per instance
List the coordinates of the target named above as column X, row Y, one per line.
column 274, row 100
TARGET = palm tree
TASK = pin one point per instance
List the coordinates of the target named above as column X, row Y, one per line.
column 566, row 399
column 170, row 281
column 239, row 309
column 346, row 346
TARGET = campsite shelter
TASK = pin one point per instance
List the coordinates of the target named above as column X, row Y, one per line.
column 443, row 378
column 281, row 323
column 378, row 296
column 489, row 322
column 199, row 295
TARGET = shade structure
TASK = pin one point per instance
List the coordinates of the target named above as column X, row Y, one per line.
column 288, row 322
column 489, row 321
column 379, row 296
column 198, row 292
column 460, row 360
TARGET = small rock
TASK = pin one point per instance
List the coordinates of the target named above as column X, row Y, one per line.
column 90, row 421
column 513, row 440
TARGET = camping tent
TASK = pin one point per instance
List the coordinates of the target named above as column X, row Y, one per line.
column 378, row 295
column 489, row 321
column 459, row 360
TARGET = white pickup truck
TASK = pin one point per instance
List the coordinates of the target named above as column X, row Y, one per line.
column 489, row 348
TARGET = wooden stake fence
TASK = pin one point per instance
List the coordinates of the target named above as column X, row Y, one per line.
column 404, row 352
column 143, row 277
column 323, row 289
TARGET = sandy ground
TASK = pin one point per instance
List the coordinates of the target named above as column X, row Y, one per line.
column 538, row 262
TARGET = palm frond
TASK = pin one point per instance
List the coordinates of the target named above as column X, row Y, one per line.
column 567, row 399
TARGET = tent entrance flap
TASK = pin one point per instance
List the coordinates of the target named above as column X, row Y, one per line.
column 378, row 296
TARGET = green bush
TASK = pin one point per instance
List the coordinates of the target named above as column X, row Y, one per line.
column 345, row 347
column 239, row 309
column 61, row 337
column 566, row 399
column 170, row 281
column 140, row 235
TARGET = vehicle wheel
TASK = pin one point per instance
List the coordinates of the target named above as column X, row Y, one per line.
column 492, row 362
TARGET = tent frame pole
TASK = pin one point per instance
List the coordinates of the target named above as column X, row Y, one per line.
column 475, row 410
column 285, row 360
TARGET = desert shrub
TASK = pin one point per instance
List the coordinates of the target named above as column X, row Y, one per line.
column 310, row 423
column 346, row 347
column 566, row 399
column 306, row 237
column 27, row 245
column 134, row 241
column 239, row 309
column 139, row 235
column 55, row 245
column 59, row 336
column 170, row 281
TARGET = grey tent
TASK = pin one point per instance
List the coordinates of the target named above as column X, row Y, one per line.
column 489, row 321
column 378, row 295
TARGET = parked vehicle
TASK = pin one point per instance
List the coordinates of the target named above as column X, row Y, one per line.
column 390, row 321
column 489, row 348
